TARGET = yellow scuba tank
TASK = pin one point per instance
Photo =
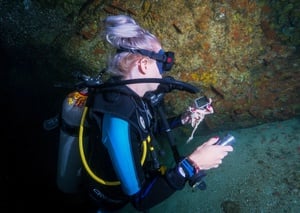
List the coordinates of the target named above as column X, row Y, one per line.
column 69, row 162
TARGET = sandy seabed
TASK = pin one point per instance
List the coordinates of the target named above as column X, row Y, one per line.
column 262, row 174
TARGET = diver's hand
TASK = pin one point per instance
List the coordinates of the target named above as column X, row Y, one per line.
column 208, row 155
column 193, row 115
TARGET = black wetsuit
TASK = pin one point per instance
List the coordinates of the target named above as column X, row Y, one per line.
column 120, row 122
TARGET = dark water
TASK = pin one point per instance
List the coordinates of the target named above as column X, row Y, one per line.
column 28, row 151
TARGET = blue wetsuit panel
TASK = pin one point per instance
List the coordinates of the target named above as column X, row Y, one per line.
column 116, row 138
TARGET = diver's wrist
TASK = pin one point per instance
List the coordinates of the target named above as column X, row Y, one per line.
column 186, row 168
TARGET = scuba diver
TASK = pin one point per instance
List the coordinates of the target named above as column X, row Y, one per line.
column 116, row 162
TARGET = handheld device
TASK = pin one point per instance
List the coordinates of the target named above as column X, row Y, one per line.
column 197, row 181
column 201, row 102
column 227, row 140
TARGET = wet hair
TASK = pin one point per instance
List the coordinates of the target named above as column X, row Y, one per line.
column 122, row 32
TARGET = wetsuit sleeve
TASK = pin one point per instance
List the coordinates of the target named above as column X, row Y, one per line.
column 158, row 188
column 173, row 122
column 118, row 146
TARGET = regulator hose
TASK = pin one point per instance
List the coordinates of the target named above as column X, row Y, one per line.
column 83, row 157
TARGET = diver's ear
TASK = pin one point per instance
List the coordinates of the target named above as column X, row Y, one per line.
column 142, row 65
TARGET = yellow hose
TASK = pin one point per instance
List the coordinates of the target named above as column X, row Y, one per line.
column 83, row 159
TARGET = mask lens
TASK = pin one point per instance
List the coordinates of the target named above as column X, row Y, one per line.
column 167, row 63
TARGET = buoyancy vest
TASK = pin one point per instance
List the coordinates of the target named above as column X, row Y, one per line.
column 123, row 103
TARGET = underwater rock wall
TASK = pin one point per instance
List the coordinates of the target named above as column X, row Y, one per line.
column 244, row 54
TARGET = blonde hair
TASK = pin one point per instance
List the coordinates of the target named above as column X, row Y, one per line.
column 122, row 32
